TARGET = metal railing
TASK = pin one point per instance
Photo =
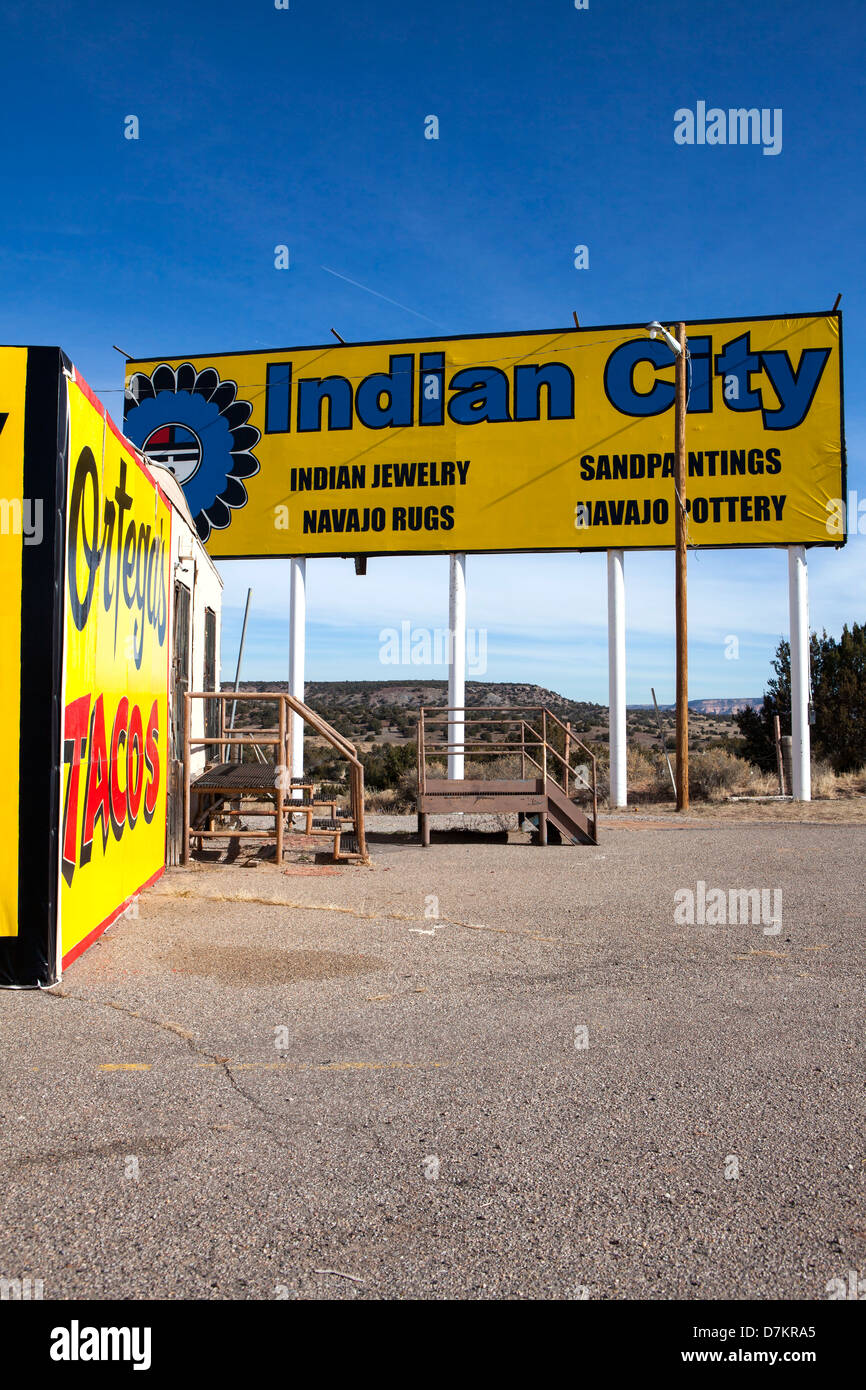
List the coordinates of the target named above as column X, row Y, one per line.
column 278, row 737
column 542, row 741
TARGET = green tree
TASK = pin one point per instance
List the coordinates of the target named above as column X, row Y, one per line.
column 838, row 700
column 839, row 683
column 756, row 725
column 385, row 763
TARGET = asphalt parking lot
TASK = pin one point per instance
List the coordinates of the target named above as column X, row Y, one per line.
column 307, row 1084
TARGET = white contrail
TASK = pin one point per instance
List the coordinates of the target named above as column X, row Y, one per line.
column 395, row 302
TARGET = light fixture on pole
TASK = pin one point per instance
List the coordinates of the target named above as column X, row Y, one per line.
column 655, row 330
column 678, row 346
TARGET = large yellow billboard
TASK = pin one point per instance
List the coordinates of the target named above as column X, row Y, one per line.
column 85, row 569
column 115, row 720
column 530, row 441
column 13, row 375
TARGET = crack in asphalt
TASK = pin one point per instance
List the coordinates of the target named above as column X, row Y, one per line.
column 359, row 915
column 189, row 1038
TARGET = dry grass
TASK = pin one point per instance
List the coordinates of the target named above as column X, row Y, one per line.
column 841, row 811
column 715, row 777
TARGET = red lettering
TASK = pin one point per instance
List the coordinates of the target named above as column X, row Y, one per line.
column 96, row 799
column 151, row 754
column 118, row 793
column 134, row 740
column 75, row 739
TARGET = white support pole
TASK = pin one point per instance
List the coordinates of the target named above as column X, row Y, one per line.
column 798, row 603
column 297, row 648
column 456, row 660
column 616, row 676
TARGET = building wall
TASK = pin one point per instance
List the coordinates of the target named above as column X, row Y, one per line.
column 194, row 570
column 191, row 568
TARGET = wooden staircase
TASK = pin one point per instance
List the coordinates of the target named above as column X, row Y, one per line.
column 560, row 794
column 573, row 824
column 229, row 788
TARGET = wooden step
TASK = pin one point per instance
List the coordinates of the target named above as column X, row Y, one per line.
column 569, row 819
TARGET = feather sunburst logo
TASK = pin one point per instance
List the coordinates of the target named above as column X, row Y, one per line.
column 193, row 423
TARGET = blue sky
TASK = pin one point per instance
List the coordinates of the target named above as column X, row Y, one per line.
column 305, row 127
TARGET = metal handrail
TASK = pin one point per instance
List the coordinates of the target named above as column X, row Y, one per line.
column 280, row 739
column 539, row 740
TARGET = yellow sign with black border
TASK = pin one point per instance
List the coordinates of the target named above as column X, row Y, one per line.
column 529, row 441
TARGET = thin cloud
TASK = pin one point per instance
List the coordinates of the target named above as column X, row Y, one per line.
column 395, row 302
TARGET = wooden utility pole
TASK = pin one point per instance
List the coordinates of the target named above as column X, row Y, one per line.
column 681, row 570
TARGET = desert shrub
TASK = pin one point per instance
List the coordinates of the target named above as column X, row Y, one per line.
column 407, row 789
column 761, row 783
column 714, row 775
column 851, row 783
column 396, row 800
column 647, row 775
column 826, row 784
column 507, row 766
column 386, row 800
column 385, row 763
column 603, row 781
column 332, row 791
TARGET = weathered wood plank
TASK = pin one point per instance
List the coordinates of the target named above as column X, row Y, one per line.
column 481, row 805
column 482, row 786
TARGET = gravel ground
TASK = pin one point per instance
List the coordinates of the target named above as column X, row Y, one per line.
column 267, row 1081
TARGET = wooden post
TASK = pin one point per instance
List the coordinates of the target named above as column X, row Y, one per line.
column 681, row 577
column 595, row 800
column 241, row 655
column 663, row 741
column 186, row 775
column 567, row 753
column 360, row 827
column 355, row 806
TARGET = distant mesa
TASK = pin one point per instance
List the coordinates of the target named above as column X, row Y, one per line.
column 731, row 706
column 359, row 696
